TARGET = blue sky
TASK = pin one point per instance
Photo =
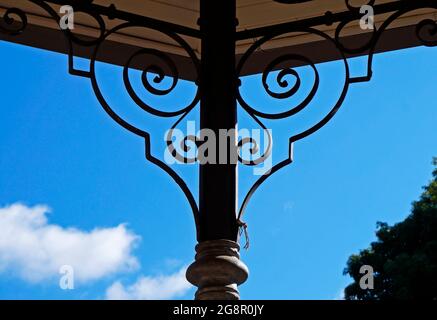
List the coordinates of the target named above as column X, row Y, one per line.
column 60, row 150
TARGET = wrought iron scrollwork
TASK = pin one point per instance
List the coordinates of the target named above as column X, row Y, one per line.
column 159, row 74
column 254, row 147
column 15, row 22
column 426, row 32
column 13, row 26
column 289, row 91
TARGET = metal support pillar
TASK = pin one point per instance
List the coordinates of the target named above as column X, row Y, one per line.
column 217, row 270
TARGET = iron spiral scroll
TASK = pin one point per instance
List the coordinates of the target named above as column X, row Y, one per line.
column 15, row 21
column 425, row 31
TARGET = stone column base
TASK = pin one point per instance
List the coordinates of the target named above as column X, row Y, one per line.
column 217, row 270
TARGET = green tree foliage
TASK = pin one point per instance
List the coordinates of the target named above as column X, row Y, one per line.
column 404, row 258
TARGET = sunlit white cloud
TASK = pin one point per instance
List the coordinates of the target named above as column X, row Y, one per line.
column 151, row 288
column 34, row 249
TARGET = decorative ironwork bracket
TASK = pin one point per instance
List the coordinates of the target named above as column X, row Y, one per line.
column 15, row 21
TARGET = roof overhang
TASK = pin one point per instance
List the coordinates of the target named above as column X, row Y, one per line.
column 43, row 32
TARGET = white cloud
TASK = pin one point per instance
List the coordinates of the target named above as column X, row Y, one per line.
column 151, row 288
column 35, row 250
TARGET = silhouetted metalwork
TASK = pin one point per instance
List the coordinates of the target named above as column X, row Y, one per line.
column 426, row 31
column 14, row 22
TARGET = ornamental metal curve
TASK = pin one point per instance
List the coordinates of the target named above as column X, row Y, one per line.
column 370, row 46
column 159, row 76
column 16, row 27
column 289, row 93
column 8, row 19
column 14, row 22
